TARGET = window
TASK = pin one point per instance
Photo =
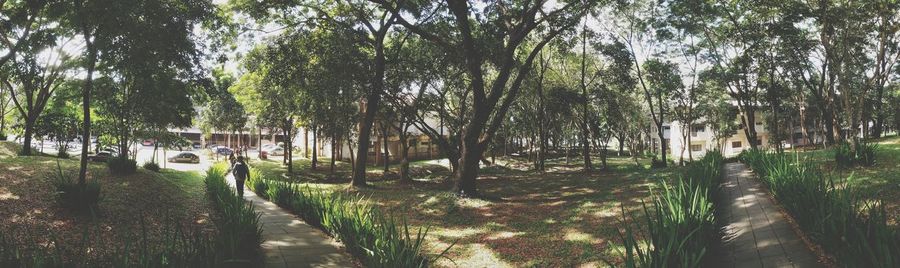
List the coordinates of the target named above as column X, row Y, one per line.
column 696, row 147
column 759, row 142
column 735, row 144
column 698, row 128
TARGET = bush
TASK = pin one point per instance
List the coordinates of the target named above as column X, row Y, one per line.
column 379, row 240
column 72, row 195
column 122, row 166
column 848, row 226
column 62, row 154
column 863, row 154
column 681, row 224
column 240, row 234
column 151, row 166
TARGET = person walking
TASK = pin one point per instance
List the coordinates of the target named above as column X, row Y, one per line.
column 241, row 173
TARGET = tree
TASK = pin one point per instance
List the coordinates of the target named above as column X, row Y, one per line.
column 504, row 50
column 37, row 80
column 370, row 24
column 136, row 36
column 659, row 82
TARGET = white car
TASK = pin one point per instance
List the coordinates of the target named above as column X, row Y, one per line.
column 277, row 151
column 268, row 146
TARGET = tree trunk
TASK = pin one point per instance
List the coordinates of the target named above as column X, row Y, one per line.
column 585, row 132
column 86, row 110
column 365, row 127
column 29, row 130
column 468, row 167
column 333, row 152
column 315, row 150
column 404, row 159
column 387, row 153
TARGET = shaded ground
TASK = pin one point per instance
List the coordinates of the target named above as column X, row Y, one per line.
column 881, row 181
column 145, row 201
column 562, row 218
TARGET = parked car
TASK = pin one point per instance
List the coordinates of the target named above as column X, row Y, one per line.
column 224, row 150
column 148, row 142
column 101, row 156
column 268, row 146
column 196, row 145
column 185, row 158
column 277, row 151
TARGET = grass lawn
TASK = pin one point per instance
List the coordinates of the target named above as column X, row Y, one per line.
column 562, row 218
column 145, row 201
column 881, row 181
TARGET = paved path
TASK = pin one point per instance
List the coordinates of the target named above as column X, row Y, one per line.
column 758, row 235
column 290, row 242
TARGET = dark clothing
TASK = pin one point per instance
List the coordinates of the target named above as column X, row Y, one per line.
column 241, row 172
column 240, row 187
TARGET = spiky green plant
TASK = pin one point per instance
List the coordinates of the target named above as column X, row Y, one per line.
column 848, row 225
column 379, row 240
column 680, row 225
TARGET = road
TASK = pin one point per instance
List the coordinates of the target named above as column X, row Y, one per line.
column 144, row 154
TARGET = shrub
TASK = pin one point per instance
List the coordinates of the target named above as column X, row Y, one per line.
column 379, row 240
column 847, row 155
column 73, row 195
column 151, row 166
column 240, row 234
column 62, row 154
column 681, row 223
column 122, row 166
column 854, row 230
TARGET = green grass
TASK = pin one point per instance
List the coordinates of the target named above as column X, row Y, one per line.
column 881, row 181
column 144, row 203
column 561, row 218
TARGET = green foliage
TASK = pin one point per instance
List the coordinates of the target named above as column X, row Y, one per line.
column 151, row 166
column 121, row 165
column 381, row 241
column 237, row 221
column 848, row 225
column 681, row 223
column 72, row 195
column 845, row 155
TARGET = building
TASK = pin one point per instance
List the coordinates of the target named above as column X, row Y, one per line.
column 702, row 139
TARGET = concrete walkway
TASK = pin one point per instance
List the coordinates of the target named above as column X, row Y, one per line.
column 757, row 235
column 290, row 242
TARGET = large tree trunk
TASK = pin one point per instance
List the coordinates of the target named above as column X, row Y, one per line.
column 468, row 167
column 371, row 107
column 29, row 131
